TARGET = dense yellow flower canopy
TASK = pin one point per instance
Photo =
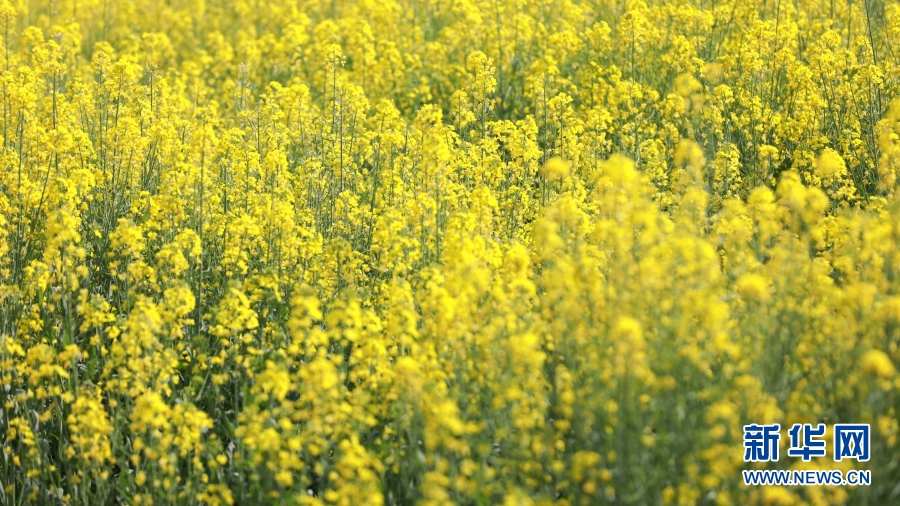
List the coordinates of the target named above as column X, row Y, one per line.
column 444, row 252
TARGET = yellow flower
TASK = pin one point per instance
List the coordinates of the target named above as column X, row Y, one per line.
column 878, row 363
column 753, row 286
column 830, row 164
column 555, row 169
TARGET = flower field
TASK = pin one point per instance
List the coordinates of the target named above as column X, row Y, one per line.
column 445, row 251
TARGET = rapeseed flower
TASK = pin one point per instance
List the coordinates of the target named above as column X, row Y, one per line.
column 466, row 252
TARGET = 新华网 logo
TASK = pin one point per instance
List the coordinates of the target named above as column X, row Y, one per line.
column 851, row 441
